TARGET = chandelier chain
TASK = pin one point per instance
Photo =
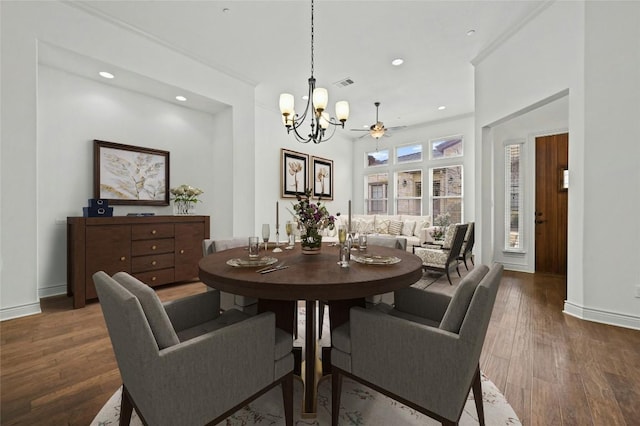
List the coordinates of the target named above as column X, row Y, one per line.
column 312, row 27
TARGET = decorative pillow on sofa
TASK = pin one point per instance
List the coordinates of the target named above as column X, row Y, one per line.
column 382, row 226
column 365, row 227
column 395, row 227
column 407, row 227
column 421, row 223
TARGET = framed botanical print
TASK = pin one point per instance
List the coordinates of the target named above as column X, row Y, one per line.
column 126, row 174
column 322, row 178
column 294, row 172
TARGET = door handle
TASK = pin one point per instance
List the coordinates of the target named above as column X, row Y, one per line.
column 538, row 221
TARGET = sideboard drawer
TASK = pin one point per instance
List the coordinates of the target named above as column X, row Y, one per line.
column 144, row 247
column 154, row 278
column 152, row 262
column 151, row 231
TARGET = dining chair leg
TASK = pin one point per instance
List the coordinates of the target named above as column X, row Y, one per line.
column 336, row 389
column 457, row 268
column 321, row 305
column 477, row 396
column 448, row 277
column 465, row 263
column 126, row 408
column 287, row 398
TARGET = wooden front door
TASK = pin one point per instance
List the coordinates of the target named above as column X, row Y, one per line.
column 552, row 157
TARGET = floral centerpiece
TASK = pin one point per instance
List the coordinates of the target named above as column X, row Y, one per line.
column 441, row 222
column 312, row 218
column 184, row 198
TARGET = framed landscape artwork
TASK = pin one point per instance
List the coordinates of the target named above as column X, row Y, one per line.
column 322, row 177
column 294, row 170
column 126, row 174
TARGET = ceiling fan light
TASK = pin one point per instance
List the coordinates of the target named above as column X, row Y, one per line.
column 320, row 99
column 377, row 133
column 342, row 111
column 286, row 104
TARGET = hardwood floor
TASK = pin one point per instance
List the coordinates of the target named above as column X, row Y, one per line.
column 58, row 367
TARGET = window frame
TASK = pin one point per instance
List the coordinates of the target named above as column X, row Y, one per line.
column 444, row 139
column 397, row 198
column 433, row 197
column 396, row 157
column 368, row 199
column 507, row 197
column 369, row 166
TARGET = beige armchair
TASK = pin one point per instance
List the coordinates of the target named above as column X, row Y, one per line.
column 467, row 246
column 445, row 258
column 429, row 345
column 185, row 363
column 228, row 300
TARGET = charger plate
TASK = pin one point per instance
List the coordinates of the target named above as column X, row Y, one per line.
column 249, row 263
column 370, row 259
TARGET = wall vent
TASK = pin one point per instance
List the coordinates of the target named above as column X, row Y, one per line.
column 344, row 82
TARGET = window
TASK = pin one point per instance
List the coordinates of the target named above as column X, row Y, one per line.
column 446, row 147
column 513, row 197
column 376, row 190
column 446, row 192
column 378, row 158
column 409, row 153
column 409, row 192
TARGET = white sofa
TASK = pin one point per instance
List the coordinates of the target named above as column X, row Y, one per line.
column 413, row 228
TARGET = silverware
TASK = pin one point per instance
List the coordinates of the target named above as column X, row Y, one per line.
column 274, row 269
column 269, row 267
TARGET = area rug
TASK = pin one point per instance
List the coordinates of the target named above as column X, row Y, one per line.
column 359, row 405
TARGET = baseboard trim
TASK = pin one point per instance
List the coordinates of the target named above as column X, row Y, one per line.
column 603, row 317
column 55, row 290
column 20, row 311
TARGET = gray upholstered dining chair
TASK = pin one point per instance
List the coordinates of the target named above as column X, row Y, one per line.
column 183, row 362
column 429, row 345
column 228, row 300
column 444, row 258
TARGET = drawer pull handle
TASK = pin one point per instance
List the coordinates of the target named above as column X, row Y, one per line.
column 182, row 251
column 123, row 258
column 153, row 278
column 153, row 232
column 153, row 247
column 154, row 262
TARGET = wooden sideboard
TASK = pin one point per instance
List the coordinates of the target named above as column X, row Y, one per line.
column 155, row 249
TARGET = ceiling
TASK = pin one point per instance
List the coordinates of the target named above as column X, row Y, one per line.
column 267, row 43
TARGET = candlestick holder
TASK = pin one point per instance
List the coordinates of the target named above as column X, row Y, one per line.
column 277, row 249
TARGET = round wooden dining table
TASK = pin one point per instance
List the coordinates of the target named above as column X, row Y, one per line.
column 310, row 278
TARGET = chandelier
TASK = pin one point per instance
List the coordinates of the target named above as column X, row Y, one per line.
column 317, row 100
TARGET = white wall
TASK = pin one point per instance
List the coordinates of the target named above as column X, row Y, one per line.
column 421, row 134
column 576, row 46
column 271, row 136
column 72, row 111
column 552, row 118
column 23, row 25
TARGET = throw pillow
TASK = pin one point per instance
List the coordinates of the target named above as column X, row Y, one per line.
column 382, row 226
column 407, row 227
column 366, row 227
column 395, row 227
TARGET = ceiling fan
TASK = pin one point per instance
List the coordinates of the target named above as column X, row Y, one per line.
column 377, row 130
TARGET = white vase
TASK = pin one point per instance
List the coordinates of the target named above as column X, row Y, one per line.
column 184, row 207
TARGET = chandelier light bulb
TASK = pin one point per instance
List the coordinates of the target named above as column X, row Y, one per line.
column 324, row 120
column 342, row 111
column 286, row 104
column 320, row 99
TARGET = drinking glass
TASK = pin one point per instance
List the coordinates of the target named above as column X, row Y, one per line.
column 289, row 228
column 342, row 238
column 266, row 232
column 254, row 244
column 362, row 242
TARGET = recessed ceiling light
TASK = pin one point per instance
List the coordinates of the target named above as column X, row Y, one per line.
column 441, row 107
column 471, row 32
column 181, row 98
column 226, row 10
column 396, row 62
column 106, row 74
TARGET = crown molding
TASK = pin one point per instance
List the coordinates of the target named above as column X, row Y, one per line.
column 90, row 10
column 510, row 32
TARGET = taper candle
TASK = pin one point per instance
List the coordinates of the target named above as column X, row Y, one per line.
column 277, row 216
column 349, row 216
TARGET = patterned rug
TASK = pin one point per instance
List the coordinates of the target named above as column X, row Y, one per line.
column 359, row 405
